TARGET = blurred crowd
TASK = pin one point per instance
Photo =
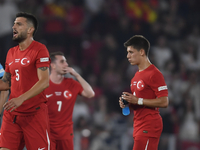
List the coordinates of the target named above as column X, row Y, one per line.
column 91, row 33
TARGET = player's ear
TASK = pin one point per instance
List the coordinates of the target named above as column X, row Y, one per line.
column 53, row 65
column 31, row 30
column 142, row 52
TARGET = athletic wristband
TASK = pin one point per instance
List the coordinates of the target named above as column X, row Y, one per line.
column 140, row 101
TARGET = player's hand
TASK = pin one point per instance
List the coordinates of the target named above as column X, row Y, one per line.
column 72, row 71
column 121, row 104
column 130, row 98
column 13, row 104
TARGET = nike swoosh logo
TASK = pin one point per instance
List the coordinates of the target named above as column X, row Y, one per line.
column 41, row 148
column 47, row 96
column 10, row 63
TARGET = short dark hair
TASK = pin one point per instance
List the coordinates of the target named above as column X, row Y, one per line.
column 138, row 42
column 30, row 18
column 53, row 55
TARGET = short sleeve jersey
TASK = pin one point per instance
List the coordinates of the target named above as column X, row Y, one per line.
column 147, row 84
column 22, row 65
column 61, row 99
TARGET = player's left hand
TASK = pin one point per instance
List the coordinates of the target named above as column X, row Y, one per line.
column 121, row 104
column 13, row 104
column 130, row 98
column 72, row 71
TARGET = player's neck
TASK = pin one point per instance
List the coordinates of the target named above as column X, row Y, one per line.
column 56, row 78
column 144, row 64
column 25, row 44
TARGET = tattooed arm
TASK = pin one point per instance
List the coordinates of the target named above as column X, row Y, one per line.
column 38, row 87
column 5, row 82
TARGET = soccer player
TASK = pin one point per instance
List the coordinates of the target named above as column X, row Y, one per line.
column 149, row 92
column 27, row 75
column 61, row 94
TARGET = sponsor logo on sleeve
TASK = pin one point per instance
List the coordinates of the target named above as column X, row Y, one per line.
column 162, row 88
column 45, row 59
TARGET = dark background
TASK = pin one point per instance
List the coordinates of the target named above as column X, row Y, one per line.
column 91, row 33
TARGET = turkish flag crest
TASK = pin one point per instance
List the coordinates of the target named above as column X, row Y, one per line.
column 140, row 85
column 67, row 94
column 25, row 61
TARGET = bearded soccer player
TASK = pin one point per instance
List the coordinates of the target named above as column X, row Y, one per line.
column 61, row 94
column 27, row 75
column 149, row 92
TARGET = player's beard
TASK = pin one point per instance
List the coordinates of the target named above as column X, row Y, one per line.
column 60, row 71
column 20, row 38
column 63, row 73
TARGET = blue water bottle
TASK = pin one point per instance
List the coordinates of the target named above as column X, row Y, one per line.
column 1, row 71
column 125, row 110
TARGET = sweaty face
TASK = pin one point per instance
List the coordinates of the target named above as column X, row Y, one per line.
column 133, row 55
column 20, row 29
column 61, row 65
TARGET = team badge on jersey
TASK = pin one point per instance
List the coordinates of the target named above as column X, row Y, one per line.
column 67, row 94
column 25, row 61
column 140, row 85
